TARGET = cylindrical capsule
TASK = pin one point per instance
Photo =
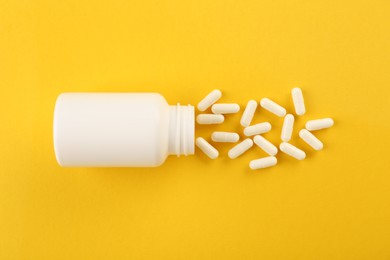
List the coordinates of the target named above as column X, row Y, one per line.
column 248, row 114
column 263, row 162
column 257, row 129
column 287, row 129
column 240, row 148
column 265, row 145
column 209, row 119
column 273, row 107
column 311, row 140
column 225, row 108
column 225, row 137
column 207, row 148
column 293, row 151
column 210, row 99
column 299, row 102
column 319, row 124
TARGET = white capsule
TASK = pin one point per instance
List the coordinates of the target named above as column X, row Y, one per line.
column 299, row 102
column 249, row 111
column 207, row 148
column 210, row 99
column 293, row 151
column 257, row 129
column 225, row 137
column 273, row 107
column 225, row 108
column 311, row 140
column 209, row 119
column 265, row 145
column 287, row 129
column 319, row 124
column 240, row 148
column 263, row 162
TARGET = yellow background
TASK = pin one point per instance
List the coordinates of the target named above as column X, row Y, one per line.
column 333, row 205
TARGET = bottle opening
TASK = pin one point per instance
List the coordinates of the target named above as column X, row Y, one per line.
column 181, row 130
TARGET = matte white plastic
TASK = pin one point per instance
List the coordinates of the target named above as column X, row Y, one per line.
column 120, row 129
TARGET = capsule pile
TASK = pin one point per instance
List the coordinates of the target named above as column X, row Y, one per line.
column 254, row 132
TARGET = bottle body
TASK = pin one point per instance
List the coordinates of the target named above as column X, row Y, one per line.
column 119, row 129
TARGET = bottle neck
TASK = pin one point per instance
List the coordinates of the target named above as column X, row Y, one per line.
column 181, row 130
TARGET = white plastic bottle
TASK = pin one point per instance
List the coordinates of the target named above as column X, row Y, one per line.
column 120, row 129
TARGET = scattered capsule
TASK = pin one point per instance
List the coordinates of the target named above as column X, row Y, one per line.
column 207, row 148
column 299, row 102
column 287, row 129
column 210, row 99
column 257, row 129
column 225, row 108
column 293, row 151
column 319, row 124
column 265, row 145
column 263, row 162
column 311, row 140
column 273, row 107
column 225, row 137
column 249, row 111
column 240, row 148
column 209, row 119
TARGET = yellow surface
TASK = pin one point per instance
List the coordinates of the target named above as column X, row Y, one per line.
column 333, row 205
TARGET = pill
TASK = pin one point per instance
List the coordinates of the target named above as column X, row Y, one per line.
column 310, row 139
column 249, row 111
column 299, row 102
column 210, row 99
column 273, row 107
column 293, row 151
column 257, row 129
column 209, row 119
column 240, row 148
column 263, row 162
column 318, row 124
column 226, row 137
column 265, row 145
column 225, row 108
column 287, row 128
column 207, row 148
